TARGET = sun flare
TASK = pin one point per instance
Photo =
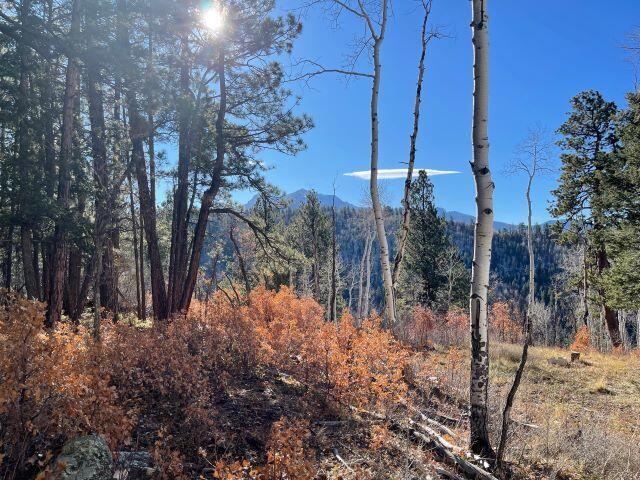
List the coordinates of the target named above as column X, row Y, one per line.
column 213, row 19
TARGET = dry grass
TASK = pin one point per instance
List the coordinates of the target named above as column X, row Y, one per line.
column 579, row 422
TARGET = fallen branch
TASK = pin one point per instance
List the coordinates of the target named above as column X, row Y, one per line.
column 342, row 461
column 450, row 458
column 433, row 434
column 444, row 429
column 447, row 475
column 440, row 447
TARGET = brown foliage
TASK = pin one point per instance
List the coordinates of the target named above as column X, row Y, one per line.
column 503, row 322
column 582, row 341
column 163, row 384
column 54, row 387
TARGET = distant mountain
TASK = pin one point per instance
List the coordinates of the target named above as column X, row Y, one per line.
column 465, row 218
column 297, row 198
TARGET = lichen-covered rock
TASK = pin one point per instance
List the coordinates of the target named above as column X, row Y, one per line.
column 134, row 466
column 85, row 458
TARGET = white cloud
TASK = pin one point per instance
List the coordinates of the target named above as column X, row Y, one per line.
column 394, row 173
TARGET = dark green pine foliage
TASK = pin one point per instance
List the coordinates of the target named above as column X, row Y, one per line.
column 312, row 236
column 589, row 168
column 423, row 278
column 591, row 163
column 622, row 279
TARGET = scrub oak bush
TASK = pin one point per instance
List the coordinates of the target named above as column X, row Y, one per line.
column 582, row 340
column 160, row 386
column 504, row 323
column 53, row 386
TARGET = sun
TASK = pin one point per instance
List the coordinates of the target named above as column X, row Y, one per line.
column 213, row 19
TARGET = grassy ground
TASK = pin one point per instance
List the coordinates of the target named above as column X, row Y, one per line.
column 580, row 421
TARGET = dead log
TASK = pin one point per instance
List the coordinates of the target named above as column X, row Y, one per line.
column 447, row 475
column 438, row 446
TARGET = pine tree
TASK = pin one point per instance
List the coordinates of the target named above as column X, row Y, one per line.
column 424, row 279
column 622, row 279
column 589, row 170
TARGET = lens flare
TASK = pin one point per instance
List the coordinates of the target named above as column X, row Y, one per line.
column 213, row 19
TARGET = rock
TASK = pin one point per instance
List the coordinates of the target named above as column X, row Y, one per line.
column 85, row 458
column 134, row 466
column 559, row 361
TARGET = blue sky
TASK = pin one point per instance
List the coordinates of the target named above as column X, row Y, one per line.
column 542, row 53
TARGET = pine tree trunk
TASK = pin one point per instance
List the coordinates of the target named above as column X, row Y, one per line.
column 211, row 192
column 158, row 288
column 610, row 315
column 134, row 241
column 103, row 278
column 241, row 264
column 178, row 251
column 24, row 158
column 479, row 380
column 143, row 287
column 585, row 288
column 49, row 161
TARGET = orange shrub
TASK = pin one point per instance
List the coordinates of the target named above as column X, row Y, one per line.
column 582, row 341
column 287, row 455
column 348, row 365
column 503, row 323
column 418, row 329
column 53, row 387
column 56, row 385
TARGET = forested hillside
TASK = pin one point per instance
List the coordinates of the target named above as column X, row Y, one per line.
column 509, row 260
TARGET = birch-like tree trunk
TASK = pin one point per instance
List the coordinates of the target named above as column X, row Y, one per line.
column 333, row 311
column 506, row 412
column 385, row 264
column 479, row 379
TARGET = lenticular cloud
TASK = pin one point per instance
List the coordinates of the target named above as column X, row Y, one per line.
column 394, row 173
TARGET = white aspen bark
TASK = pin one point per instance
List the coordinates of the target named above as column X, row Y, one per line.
column 385, row 264
column 366, row 306
column 479, row 379
column 361, row 279
column 352, row 282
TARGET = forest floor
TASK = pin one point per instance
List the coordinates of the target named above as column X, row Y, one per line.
column 574, row 421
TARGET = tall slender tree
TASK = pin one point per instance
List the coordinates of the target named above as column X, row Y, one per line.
column 479, row 324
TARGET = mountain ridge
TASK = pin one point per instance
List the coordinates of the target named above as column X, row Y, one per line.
column 296, row 199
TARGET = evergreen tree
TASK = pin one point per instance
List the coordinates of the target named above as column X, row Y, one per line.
column 312, row 228
column 424, row 278
column 622, row 279
column 590, row 166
